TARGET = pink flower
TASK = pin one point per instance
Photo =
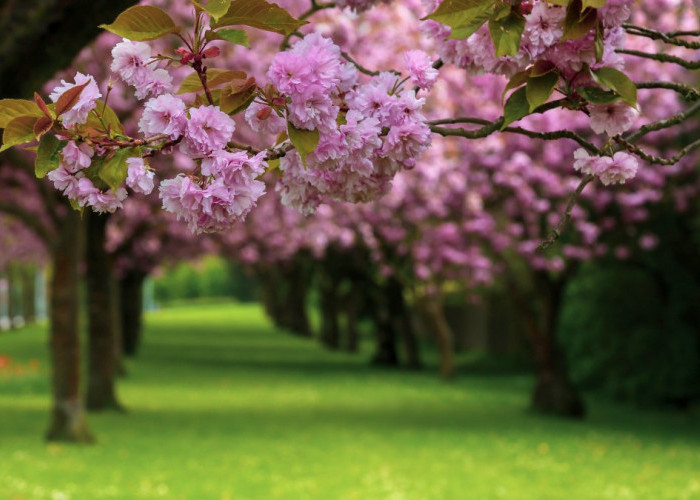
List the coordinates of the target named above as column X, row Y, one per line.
column 139, row 178
column 421, row 69
column 153, row 82
column 616, row 170
column 208, row 130
column 621, row 167
column 164, row 115
column 264, row 120
column 75, row 158
column 612, row 119
column 78, row 114
column 130, row 60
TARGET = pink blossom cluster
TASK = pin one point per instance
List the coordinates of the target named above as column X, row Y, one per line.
column 134, row 64
column 616, row 169
column 226, row 192
column 87, row 100
column 70, row 179
column 367, row 131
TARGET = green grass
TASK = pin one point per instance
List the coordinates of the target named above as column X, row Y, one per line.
column 224, row 407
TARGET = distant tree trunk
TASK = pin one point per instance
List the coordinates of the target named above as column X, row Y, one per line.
column 330, row 330
column 29, row 294
column 68, row 422
column 554, row 393
column 131, row 308
column 296, row 284
column 102, row 362
column 352, row 304
column 435, row 315
column 386, row 353
column 270, row 294
column 401, row 318
column 12, row 309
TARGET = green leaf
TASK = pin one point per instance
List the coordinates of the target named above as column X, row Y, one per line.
column 109, row 117
column 598, row 41
column 578, row 21
column 506, row 33
column 236, row 98
column 516, row 107
column 48, row 155
column 141, row 23
column 305, row 141
column 463, row 16
column 260, row 14
column 217, row 8
column 215, row 78
column 594, row 4
column 540, row 88
column 14, row 108
column 238, row 37
column 597, row 96
column 518, row 79
column 560, row 3
column 18, row 131
column 113, row 170
column 618, row 82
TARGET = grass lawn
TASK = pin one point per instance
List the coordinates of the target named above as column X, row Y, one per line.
column 222, row 406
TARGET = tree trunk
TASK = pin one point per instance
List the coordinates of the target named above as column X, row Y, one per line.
column 435, row 315
column 12, row 309
column 131, row 307
column 102, row 367
column 353, row 302
column 29, row 294
column 296, row 284
column 401, row 318
column 386, row 353
column 554, row 392
column 68, row 422
column 330, row 331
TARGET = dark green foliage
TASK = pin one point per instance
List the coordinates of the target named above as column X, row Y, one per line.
column 212, row 277
column 627, row 331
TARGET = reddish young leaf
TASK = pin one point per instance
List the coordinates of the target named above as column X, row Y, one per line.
column 69, row 99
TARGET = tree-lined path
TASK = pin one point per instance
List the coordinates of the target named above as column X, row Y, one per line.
column 222, row 406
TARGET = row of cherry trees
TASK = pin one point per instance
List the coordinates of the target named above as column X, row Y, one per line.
column 461, row 213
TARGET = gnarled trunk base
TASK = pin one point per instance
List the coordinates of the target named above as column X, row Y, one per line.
column 555, row 395
column 68, row 423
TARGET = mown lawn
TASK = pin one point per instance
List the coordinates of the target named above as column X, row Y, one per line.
column 222, row 406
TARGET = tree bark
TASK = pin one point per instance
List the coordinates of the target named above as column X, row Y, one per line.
column 435, row 315
column 68, row 421
column 330, row 331
column 131, row 307
column 102, row 363
column 12, row 309
column 295, row 283
column 352, row 304
column 29, row 294
column 554, row 393
column 386, row 353
column 401, row 318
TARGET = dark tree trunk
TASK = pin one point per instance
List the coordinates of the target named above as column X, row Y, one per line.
column 271, row 295
column 353, row 302
column 435, row 315
column 102, row 362
column 400, row 316
column 29, row 294
column 386, row 353
column 12, row 309
column 554, row 393
column 295, row 284
column 131, row 307
column 330, row 330
column 68, row 422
